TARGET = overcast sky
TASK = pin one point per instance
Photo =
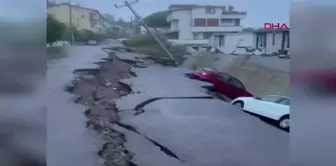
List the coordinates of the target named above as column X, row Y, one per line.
column 258, row 11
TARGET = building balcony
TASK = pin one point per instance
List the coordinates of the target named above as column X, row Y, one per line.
column 217, row 29
column 233, row 15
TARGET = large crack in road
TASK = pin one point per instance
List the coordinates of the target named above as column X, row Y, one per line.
column 139, row 110
column 163, row 148
column 139, row 107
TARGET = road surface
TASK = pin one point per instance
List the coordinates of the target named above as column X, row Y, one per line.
column 69, row 142
column 195, row 132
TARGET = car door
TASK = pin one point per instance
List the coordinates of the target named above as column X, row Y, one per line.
column 269, row 106
column 221, row 83
column 238, row 89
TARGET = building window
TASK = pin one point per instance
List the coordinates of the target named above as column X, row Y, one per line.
column 273, row 39
column 210, row 10
column 262, row 40
column 237, row 22
column 199, row 22
column 221, row 40
column 212, row 22
column 198, row 36
column 226, row 20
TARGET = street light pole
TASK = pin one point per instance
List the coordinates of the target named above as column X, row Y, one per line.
column 138, row 18
column 70, row 22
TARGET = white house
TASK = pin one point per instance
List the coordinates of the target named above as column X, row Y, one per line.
column 265, row 41
column 199, row 23
column 272, row 41
column 82, row 18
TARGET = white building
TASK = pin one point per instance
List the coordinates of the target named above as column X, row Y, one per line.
column 199, row 24
column 266, row 41
column 82, row 18
column 272, row 41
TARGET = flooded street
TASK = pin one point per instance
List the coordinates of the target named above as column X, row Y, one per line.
column 69, row 142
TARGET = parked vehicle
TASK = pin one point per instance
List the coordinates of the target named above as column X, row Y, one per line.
column 273, row 107
column 201, row 74
column 228, row 85
column 283, row 56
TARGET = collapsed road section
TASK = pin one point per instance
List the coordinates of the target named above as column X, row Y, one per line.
column 98, row 89
column 147, row 119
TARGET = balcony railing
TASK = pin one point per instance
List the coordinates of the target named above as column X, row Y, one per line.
column 234, row 12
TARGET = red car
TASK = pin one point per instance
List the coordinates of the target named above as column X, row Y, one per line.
column 201, row 74
column 228, row 85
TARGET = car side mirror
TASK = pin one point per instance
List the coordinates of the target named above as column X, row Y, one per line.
column 257, row 98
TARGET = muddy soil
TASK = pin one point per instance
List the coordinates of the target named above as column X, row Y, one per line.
column 98, row 89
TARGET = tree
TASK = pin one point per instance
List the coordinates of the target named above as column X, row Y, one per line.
column 55, row 29
column 157, row 20
column 86, row 35
column 51, row 3
column 109, row 18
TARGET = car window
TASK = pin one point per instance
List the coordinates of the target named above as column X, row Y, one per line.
column 235, row 82
column 203, row 70
column 223, row 77
column 274, row 99
column 285, row 101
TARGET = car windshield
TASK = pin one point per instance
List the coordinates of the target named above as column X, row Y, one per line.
column 273, row 99
column 285, row 101
column 223, row 77
column 203, row 70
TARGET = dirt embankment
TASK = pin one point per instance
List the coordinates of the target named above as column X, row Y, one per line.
column 98, row 89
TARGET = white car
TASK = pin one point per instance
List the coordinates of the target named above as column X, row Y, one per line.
column 272, row 106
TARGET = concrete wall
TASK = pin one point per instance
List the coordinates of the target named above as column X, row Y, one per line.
column 258, row 79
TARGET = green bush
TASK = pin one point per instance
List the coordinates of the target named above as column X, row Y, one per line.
column 86, row 35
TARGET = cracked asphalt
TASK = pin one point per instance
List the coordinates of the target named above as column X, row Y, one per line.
column 200, row 132
column 172, row 132
column 69, row 142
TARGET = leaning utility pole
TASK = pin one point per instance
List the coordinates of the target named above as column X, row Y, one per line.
column 70, row 29
column 138, row 18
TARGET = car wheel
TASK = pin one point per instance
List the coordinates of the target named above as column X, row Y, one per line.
column 283, row 122
column 239, row 104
